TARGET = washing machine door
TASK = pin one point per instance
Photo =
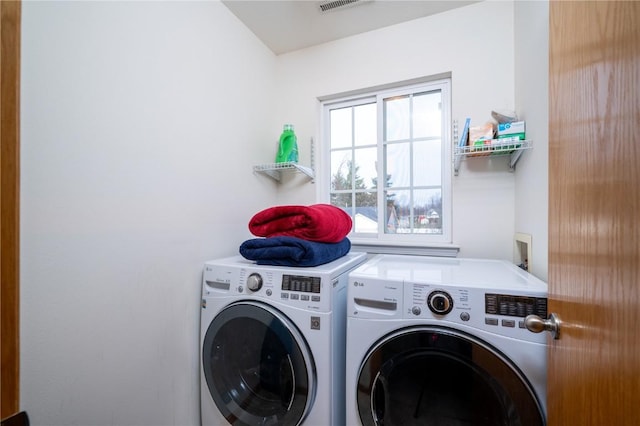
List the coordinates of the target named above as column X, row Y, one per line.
column 258, row 368
column 438, row 376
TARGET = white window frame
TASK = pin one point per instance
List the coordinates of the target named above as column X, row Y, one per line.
column 323, row 169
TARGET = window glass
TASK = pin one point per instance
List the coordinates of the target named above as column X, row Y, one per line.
column 341, row 163
column 427, row 120
column 390, row 155
column 365, row 168
column 341, row 128
column 398, row 164
column 397, row 118
column 427, row 170
column 364, row 122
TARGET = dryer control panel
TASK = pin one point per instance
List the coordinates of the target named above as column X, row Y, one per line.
column 498, row 313
column 453, row 306
column 467, row 294
column 515, row 306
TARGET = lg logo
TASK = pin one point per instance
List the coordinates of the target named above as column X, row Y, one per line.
column 358, row 284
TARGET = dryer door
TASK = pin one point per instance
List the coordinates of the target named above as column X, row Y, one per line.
column 438, row 376
column 258, row 368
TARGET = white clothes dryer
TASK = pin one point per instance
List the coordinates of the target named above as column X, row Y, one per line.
column 272, row 343
column 442, row 341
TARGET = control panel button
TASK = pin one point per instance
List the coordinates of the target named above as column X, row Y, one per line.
column 315, row 298
column 508, row 323
column 464, row 316
column 295, row 296
column 416, row 310
column 491, row 321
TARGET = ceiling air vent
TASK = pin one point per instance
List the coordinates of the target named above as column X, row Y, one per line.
column 327, row 6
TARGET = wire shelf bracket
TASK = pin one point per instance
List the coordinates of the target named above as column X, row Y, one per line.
column 513, row 150
column 275, row 170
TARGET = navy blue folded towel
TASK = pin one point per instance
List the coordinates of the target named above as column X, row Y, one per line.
column 292, row 251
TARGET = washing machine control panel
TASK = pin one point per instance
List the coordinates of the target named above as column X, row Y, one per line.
column 307, row 291
column 300, row 283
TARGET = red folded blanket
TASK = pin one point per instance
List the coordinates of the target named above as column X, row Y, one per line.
column 318, row 222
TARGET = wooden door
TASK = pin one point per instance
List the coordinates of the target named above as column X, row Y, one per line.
column 9, row 203
column 594, row 212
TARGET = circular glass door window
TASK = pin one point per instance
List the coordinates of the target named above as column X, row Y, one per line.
column 437, row 376
column 258, row 368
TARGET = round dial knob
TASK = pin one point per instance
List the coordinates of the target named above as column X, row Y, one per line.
column 254, row 282
column 440, row 302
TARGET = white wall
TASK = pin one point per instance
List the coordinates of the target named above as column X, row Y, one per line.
column 532, row 100
column 140, row 123
column 475, row 44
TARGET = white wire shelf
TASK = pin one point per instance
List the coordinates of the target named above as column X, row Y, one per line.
column 275, row 170
column 512, row 149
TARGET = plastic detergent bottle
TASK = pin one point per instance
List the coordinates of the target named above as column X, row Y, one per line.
column 288, row 147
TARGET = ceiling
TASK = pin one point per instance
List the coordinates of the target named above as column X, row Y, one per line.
column 288, row 25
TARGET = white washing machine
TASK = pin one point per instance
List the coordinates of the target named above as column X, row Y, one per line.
column 272, row 343
column 441, row 341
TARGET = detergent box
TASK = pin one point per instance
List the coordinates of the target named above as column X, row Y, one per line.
column 509, row 130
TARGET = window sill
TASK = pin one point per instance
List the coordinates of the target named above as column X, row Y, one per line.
column 375, row 247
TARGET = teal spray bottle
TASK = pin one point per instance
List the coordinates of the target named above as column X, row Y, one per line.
column 288, row 147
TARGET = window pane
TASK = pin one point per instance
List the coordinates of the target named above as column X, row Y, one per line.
column 341, row 162
column 366, row 218
column 344, row 201
column 423, row 217
column 397, row 216
column 393, row 182
column 341, row 128
column 397, row 164
column 365, row 128
column 427, row 163
column 427, row 115
column 365, row 168
column 397, row 118
column 427, row 211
